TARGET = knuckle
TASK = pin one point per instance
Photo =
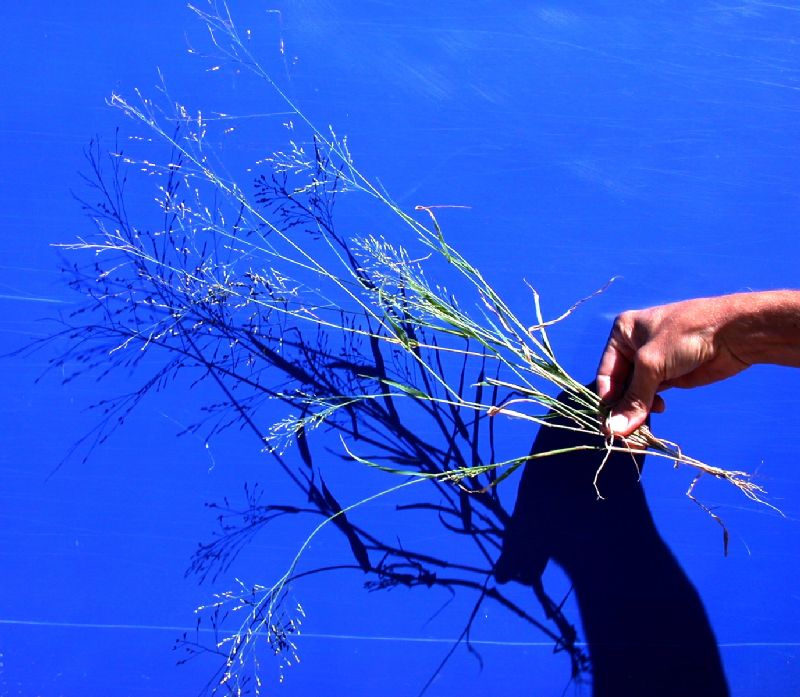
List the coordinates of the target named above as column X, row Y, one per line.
column 649, row 359
column 638, row 404
column 624, row 322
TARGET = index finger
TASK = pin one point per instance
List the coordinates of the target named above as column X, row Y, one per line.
column 614, row 371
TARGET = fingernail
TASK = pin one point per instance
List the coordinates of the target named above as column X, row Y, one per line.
column 603, row 385
column 618, row 423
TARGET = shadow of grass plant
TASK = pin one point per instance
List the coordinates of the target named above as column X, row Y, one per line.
column 256, row 292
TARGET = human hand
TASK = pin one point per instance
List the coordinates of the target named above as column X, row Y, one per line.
column 684, row 344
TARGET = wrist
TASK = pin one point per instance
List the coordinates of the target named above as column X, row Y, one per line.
column 761, row 327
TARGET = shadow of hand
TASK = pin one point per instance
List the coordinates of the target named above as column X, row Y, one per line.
column 646, row 627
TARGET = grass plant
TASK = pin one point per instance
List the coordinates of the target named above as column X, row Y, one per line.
column 254, row 290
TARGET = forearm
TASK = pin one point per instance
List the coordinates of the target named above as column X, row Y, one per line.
column 761, row 327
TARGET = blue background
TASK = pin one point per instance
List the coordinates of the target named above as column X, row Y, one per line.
column 651, row 140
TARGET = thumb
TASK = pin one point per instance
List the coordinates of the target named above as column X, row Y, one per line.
column 632, row 409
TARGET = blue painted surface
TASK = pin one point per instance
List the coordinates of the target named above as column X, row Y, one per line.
column 654, row 141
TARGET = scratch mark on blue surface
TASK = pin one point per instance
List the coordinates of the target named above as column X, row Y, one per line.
column 360, row 637
column 4, row 296
column 307, row 635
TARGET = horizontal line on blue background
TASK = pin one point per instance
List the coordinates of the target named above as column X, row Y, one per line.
column 358, row 637
column 31, row 298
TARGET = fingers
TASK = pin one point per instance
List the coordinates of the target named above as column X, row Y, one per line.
column 629, row 376
column 632, row 409
column 613, row 372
